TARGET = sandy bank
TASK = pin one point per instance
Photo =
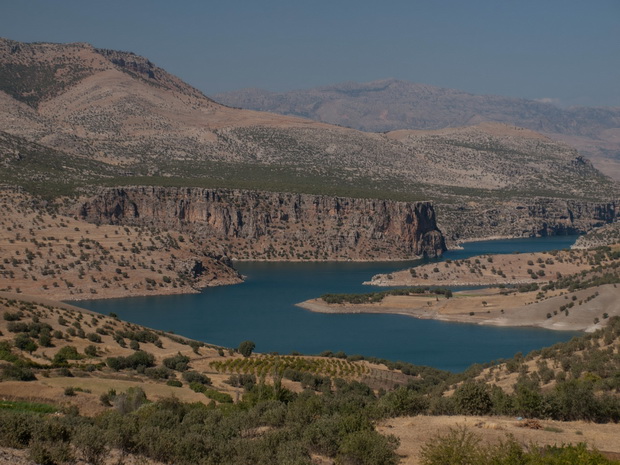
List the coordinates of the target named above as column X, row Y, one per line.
column 489, row 307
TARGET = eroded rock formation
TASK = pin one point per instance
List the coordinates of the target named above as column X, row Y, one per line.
column 262, row 225
column 533, row 217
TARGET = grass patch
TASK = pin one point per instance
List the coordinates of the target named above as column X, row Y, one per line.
column 32, row 407
column 553, row 429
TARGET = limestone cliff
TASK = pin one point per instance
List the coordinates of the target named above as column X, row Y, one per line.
column 533, row 217
column 277, row 226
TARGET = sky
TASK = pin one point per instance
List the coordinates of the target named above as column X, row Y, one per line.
column 562, row 51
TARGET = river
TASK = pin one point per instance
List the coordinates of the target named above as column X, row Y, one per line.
column 263, row 310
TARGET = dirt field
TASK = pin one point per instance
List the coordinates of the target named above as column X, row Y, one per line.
column 414, row 432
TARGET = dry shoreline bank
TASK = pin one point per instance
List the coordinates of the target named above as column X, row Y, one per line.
column 489, row 307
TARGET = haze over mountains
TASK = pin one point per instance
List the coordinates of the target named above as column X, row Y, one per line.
column 75, row 116
column 390, row 104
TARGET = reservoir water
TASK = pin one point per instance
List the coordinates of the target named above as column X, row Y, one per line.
column 263, row 310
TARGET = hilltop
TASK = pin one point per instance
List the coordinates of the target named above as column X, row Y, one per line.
column 74, row 118
column 391, row 104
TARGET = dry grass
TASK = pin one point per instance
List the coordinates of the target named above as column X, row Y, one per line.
column 414, row 432
column 63, row 258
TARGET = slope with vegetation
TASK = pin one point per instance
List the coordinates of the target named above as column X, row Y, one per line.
column 390, row 104
column 46, row 253
column 560, row 290
column 150, row 394
column 115, row 118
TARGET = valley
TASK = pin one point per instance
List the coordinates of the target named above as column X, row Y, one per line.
column 183, row 231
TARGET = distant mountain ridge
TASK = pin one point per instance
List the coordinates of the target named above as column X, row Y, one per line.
column 74, row 117
column 390, row 104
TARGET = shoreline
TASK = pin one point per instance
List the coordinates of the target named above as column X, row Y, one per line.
column 112, row 294
column 488, row 307
column 317, row 307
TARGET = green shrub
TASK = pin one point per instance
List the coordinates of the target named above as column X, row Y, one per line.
column 66, row 353
column 94, row 337
column 472, row 398
column 195, row 377
column 17, row 373
column 218, row 396
column 91, row 350
column 179, row 362
column 246, row 348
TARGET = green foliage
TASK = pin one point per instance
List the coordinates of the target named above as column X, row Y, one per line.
column 246, row 348
column 161, row 372
column 367, row 447
column 94, row 337
column 50, row 452
column 92, row 443
column 23, row 342
column 136, row 360
column 472, row 398
column 221, row 397
column 5, row 352
column 373, row 297
column 17, row 373
column 179, row 362
column 91, row 350
column 195, row 377
column 12, row 316
column 462, row 447
column 66, row 353
column 33, row 407
column 458, row 447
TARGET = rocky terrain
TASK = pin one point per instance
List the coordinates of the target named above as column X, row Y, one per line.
column 73, row 116
column 45, row 253
column 605, row 235
column 259, row 225
column 390, row 104
column 521, row 217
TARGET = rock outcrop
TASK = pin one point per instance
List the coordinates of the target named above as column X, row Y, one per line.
column 277, row 226
column 533, row 217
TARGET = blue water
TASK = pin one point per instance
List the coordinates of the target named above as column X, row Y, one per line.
column 263, row 309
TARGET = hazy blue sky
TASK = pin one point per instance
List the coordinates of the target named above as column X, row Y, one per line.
column 566, row 50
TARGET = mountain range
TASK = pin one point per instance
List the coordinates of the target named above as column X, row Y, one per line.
column 390, row 104
column 74, row 117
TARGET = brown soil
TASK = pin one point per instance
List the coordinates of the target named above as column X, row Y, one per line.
column 414, row 432
column 490, row 307
column 63, row 258
column 492, row 270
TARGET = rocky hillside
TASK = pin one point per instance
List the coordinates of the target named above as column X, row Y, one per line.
column 259, row 225
column 73, row 116
column 521, row 217
column 45, row 253
column 605, row 235
column 390, row 104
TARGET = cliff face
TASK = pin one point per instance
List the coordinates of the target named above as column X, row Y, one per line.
column 538, row 217
column 262, row 225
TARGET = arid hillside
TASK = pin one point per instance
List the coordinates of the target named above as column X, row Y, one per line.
column 390, row 104
column 80, row 386
column 128, row 121
column 45, row 253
